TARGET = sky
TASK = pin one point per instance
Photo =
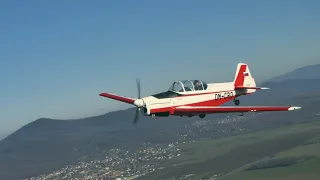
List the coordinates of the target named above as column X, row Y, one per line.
column 57, row 56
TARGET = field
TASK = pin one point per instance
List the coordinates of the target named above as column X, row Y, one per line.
column 291, row 152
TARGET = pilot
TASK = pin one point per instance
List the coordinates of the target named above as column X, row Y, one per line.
column 197, row 85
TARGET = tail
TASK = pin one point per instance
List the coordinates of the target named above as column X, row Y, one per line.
column 243, row 78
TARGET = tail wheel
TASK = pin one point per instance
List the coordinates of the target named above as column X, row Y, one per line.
column 236, row 102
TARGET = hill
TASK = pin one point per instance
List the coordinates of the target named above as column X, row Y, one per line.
column 289, row 152
column 306, row 72
column 48, row 144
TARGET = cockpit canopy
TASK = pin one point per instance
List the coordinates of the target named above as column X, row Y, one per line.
column 188, row 85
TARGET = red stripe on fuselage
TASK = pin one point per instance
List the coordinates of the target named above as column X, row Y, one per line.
column 165, row 109
column 211, row 102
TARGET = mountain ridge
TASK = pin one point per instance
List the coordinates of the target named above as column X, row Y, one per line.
column 304, row 72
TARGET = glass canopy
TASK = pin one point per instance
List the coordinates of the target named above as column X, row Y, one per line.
column 188, row 85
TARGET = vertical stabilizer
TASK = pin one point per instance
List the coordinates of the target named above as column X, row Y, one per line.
column 243, row 77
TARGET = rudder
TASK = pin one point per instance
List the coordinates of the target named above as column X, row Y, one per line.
column 243, row 76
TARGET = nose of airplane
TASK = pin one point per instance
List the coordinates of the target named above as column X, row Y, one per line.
column 139, row 102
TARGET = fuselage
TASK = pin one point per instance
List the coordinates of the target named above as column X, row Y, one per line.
column 215, row 94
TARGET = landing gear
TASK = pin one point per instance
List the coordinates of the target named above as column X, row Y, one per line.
column 202, row 116
column 236, row 102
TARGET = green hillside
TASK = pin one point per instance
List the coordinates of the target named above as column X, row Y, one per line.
column 284, row 153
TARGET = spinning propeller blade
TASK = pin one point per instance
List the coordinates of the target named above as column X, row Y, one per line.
column 138, row 87
column 136, row 117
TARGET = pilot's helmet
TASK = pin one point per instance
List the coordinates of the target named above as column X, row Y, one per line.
column 197, row 83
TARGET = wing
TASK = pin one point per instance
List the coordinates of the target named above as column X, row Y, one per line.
column 118, row 98
column 256, row 88
column 181, row 110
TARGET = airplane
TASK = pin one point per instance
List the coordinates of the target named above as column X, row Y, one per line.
column 198, row 98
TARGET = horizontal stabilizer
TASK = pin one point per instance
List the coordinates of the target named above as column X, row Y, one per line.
column 118, row 98
column 181, row 110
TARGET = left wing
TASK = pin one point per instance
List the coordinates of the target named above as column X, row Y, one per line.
column 118, row 97
column 180, row 110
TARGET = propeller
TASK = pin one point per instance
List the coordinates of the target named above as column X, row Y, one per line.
column 138, row 102
column 138, row 87
column 137, row 115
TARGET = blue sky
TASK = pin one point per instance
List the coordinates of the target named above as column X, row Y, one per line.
column 57, row 56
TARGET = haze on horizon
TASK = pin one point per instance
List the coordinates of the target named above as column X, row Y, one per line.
column 56, row 57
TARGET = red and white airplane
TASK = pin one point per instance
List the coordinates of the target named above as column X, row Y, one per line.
column 195, row 97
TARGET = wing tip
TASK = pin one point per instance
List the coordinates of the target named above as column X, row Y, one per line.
column 103, row 94
column 292, row 108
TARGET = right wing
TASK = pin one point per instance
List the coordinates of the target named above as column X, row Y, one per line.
column 184, row 110
column 256, row 88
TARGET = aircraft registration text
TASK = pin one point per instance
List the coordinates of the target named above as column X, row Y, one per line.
column 224, row 95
